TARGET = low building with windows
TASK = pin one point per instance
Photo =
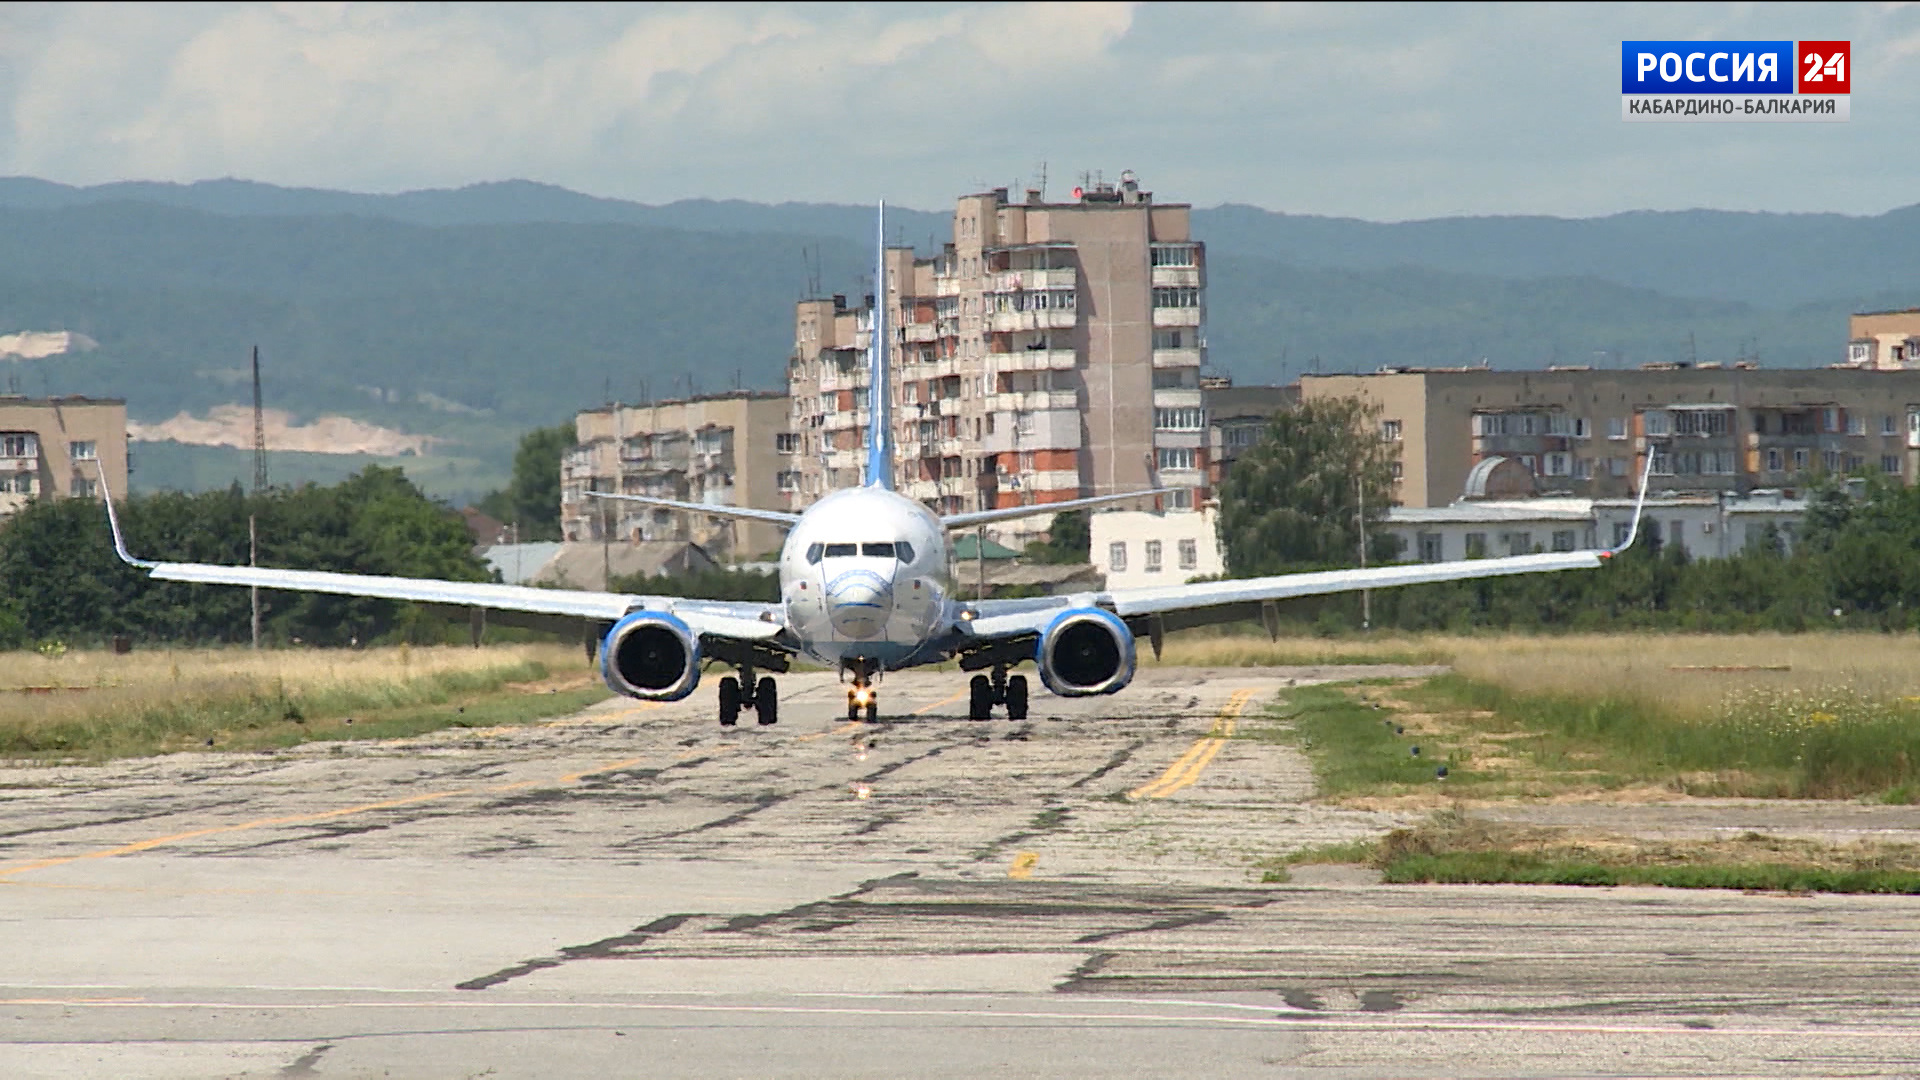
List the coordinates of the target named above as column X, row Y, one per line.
column 53, row 448
column 1136, row 548
column 1712, row 526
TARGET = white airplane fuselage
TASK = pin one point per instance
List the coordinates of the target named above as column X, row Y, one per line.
column 862, row 575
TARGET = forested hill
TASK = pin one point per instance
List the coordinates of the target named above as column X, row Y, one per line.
column 481, row 312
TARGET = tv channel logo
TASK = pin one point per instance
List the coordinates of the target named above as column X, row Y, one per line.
column 1736, row 80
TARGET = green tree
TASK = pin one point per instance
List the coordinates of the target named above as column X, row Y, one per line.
column 1069, row 540
column 532, row 498
column 1295, row 498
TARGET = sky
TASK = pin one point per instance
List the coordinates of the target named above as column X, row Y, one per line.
column 1378, row 111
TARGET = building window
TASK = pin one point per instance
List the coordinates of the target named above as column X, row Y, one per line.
column 1859, row 352
column 1656, row 422
column 1621, row 529
column 1662, row 461
column 787, row 443
column 1856, row 425
column 1172, row 255
column 1520, row 543
column 1169, row 339
column 1708, row 422
column 1117, row 557
column 1563, row 540
column 1830, row 420
column 1152, row 561
column 1833, row 460
column 1188, row 419
column 1557, row 464
column 1890, row 464
column 17, row 484
column 1476, row 545
column 1390, row 430
column 789, row 481
column 1717, row 463
column 1800, row 459
column 1399, row 471
column 19, row 444
column 1183, row 296
column 82, row 450
column 1617, row 466
column 1581, row 428
column 1180, row 499
column 1582, row 469
column 1889, row 425
column 1431, row 547
column 1176, row 457
column 1616, row 427
column 1775, row 459
column 1189, row 554
column 84, row 488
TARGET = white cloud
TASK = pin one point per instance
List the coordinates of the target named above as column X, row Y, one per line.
column 1378, row 111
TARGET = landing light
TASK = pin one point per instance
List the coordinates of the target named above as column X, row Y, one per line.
column 862, row 696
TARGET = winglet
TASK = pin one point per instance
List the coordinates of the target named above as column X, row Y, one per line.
column 1639, row 508
column 113, row 523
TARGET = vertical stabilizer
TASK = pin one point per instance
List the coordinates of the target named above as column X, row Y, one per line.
column 879, row 384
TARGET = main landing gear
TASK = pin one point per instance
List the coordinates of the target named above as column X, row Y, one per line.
column 984, row 693
column 762, row 696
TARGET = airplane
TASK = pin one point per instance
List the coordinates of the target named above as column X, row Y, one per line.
column 862, row 584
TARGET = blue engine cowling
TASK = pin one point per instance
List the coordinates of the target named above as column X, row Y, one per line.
column 651, row 655
column 1085, row 651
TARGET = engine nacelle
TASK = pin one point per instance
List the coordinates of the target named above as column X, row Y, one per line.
column 1085, row 651
column 651, row 655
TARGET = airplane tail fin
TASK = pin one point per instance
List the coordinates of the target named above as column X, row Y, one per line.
column 879, row 384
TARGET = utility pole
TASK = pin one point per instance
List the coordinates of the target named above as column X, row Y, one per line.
column 259, row 488
column 1366, row 595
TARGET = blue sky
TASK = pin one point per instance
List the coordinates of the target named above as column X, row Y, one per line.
column 1377, row 111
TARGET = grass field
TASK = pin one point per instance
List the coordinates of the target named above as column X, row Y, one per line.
column 92, row 705
column 1808, row 716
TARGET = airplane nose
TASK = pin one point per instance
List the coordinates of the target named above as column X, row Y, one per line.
column 858, row 602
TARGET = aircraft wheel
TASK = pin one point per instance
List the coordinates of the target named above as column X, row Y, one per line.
column 1017, row 697
column 729, row 701
column 766, row 701
column 873, row 709
column 980, row 698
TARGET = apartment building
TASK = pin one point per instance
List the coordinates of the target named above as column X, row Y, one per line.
column 59, row 448
column 729, row 449
column 1586, row 432
column 1238, row 417
column 1052, row 350
column 1884, row 340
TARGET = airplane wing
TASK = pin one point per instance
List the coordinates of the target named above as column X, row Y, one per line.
column 987, row 517
column 542, row 608
column 777, row 517
column 1182, row 606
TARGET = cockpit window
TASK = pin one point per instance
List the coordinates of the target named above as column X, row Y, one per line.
column 835, row 551
column 813, row 553
column 878, row 551
column 904, row 550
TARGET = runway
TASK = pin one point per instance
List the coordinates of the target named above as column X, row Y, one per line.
column 637, row 892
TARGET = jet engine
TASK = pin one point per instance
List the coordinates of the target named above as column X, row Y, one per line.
column 1085, row 651
column 651, row 655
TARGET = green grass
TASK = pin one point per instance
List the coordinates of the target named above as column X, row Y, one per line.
column 1507, row 868
column 1353, row 746
column 1829, row 745
column 256, row 719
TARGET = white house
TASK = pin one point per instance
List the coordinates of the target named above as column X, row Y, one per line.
column 1141, row 547
column 1711, row 526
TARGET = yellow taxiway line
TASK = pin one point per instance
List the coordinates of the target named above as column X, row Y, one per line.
column 1188, row 766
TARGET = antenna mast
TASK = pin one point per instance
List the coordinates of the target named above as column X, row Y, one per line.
column 259, row 430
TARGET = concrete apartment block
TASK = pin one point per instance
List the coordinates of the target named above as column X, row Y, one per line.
column 59, row 447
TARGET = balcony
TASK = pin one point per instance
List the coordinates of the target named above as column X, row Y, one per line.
column 920, row 333
column 1035, row 360
column 1181, row 398
column 1007, row 322
column 1175, row 358
column 1034, row 401
column 1177, row 275
column 1178, row 316
column 835, row 379
column 1017, row 280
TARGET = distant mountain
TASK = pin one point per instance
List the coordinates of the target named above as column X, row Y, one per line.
column 1773, row 260
column 475, row 314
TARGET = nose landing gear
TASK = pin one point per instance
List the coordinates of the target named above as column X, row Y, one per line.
column 862, row 696
column 983, row 693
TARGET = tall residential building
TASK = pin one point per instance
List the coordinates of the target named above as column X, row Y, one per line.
column 1587, row 432
column 1051, row 351
column 59, row 447
column 728, row 449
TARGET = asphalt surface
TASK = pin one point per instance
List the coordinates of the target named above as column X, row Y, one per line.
column 636, row 892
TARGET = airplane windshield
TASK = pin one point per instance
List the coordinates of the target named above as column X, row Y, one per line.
column 835, row 551
column 904, row 550
column 881, row 551
column 813, row 553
